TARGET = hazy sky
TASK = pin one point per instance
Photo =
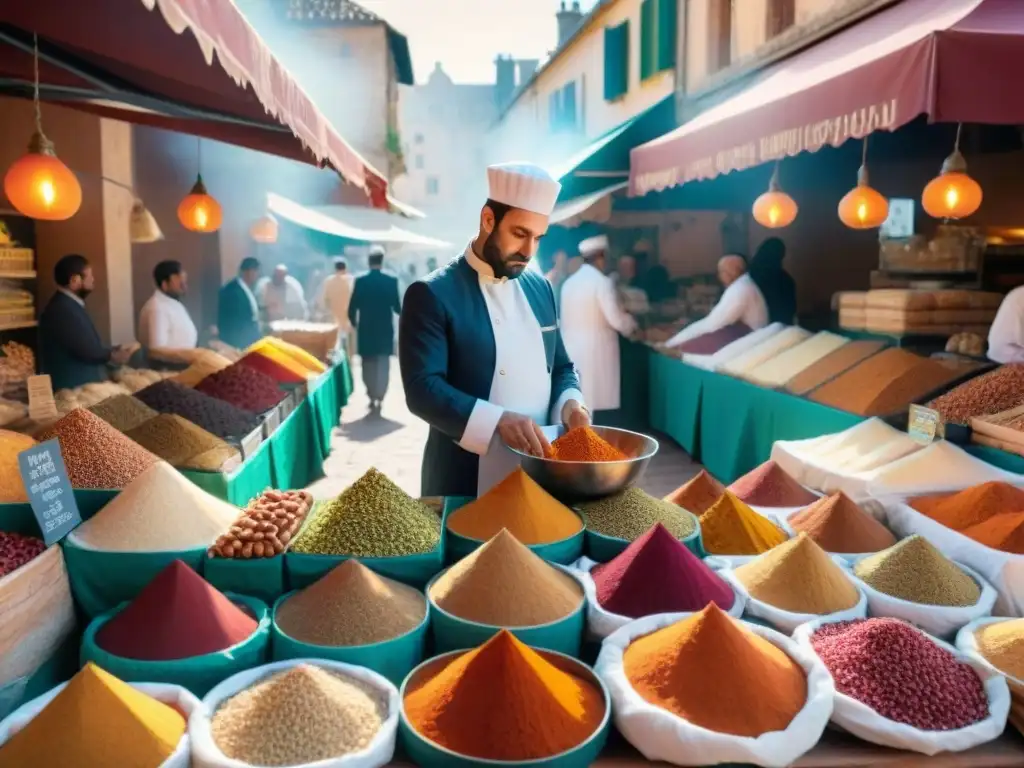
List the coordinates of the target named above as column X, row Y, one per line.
column 467, row 35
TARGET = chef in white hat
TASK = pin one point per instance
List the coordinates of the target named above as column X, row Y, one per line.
column 591, row 323
column 479, row 345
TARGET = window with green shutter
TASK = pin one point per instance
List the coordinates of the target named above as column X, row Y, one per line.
column 616, row 61
column 668, row 25
column 648, row 38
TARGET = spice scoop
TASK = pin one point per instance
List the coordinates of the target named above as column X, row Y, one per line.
column 573, row 481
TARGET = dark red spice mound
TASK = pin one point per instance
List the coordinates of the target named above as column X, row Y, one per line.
column 658, row 574
column 270, row 368
column 177, row 616
column 17, row 550
column 243, row 387
column 901, row 674
column 710, row 343
column 215, row 416
column 770, row 486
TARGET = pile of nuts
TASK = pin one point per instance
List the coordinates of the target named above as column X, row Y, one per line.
column 265, row 527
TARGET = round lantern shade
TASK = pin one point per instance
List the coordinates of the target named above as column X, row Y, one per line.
column 953, row 195
column 775, row 209
column 199, row 211
column 40, row 186
column 264, row 229
column 863, row 208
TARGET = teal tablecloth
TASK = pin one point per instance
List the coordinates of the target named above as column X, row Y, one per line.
column 740, row 421
column 676, row 392
column 296, row 455
column 1011, row 462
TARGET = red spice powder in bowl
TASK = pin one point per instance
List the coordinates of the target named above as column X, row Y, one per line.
column 243, row 387
column 177, row 616
column 901, row 674
column 771, row 486
column 584, row 444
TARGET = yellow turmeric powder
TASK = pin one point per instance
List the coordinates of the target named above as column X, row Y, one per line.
column 730, row 527
column 97, row 721
column 584, row 444
column 517, row 503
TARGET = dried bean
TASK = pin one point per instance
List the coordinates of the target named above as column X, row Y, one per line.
column 215, row 416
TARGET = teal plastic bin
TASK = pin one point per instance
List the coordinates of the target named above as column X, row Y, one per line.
column 601, row 548
column 198, row 674
column 426, row 754
column 451, row 633
column 101, row 581
column 564, row 552
column 18, row 518
column 394, row 658
column 261, row 577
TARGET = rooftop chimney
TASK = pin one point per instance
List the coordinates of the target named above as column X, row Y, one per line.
column 505, row 79
column 527, row 68
column 569, row 20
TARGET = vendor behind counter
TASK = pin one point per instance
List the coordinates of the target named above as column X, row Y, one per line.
column 168, row 335
column 70, row 348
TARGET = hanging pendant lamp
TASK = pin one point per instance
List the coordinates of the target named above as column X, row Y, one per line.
column 264, row 230
column 142, row 225
column 775, row 209
column 199, row 211
column 863, row 207
column 38, row 184
column 952, row 194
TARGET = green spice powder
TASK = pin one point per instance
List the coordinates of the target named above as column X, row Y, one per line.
column 373, row 517
column 629, row 514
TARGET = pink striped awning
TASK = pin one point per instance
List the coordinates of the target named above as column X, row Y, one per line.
column 195, row 66
column 952, row 60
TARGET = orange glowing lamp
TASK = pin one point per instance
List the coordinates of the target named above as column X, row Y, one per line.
column 863, row 207
column 200, row 211
column 264, row 230
column 952, row 194
column 40, row 186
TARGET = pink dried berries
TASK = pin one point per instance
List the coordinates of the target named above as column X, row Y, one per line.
column 901, row 674
column 17, row 550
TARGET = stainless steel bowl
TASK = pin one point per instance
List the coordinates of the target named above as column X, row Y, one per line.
column 572, row 481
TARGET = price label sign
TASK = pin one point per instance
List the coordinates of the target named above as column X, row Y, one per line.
column 41, row 405
column 925, row 425
column 49, row 490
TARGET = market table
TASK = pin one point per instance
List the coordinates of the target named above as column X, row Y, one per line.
column 675, row 392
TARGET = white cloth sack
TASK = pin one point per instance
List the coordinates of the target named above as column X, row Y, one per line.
column 1003, row 570
column 660, row 735
column 938, row 468
column 865, row 723
column 787, row 621
column 601, row 623
column 967, row 645
column 844, row 461
column 938, row 620
column 735, row 349
column 206, row 754
column 173, row 695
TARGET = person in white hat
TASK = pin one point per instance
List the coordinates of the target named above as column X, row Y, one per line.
column 481, row 354
column 591, row 323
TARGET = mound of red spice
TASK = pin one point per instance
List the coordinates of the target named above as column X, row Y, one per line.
column 698, row 494
column 17, row 550
column 771, row 486
column 243, row 387
column 177, row 615
column 584, row 444
column 658, row 574
column 901, row 674
column 270, row 368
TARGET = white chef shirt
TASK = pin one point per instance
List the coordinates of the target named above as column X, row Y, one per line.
column 165, row 323
column 287, row 302
column 1006, row 336
column 251, row 297
column 521, row 381
column 742, row 302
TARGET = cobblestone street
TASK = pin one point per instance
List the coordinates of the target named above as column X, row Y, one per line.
column 393, row 443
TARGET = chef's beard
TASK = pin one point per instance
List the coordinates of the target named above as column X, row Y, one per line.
column 83, row 293
column 510, row 266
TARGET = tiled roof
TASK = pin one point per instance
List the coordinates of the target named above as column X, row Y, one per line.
column 330, row 12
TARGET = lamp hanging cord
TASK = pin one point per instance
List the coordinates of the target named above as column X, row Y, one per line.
column 38, row 144
column 864, row 152
column 959, row 131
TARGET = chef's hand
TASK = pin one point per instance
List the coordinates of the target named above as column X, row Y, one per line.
column 121, row 355
column 575, row 415
column 523, row 434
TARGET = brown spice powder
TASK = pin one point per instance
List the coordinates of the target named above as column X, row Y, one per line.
column 831, row 365
column 698, row 494
column 837, row 524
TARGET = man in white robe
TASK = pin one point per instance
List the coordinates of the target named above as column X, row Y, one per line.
column 481, row 355
column 591, row 323
column 1006, row 336
column 281, row 296
column 742, row 302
